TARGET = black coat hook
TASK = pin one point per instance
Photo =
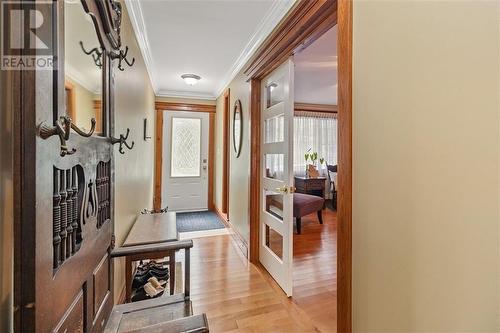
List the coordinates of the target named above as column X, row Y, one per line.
column 95, row 53
column 122, row 56
column 123, row 141
column 62, row 129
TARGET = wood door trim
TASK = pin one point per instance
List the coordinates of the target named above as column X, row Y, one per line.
column 306, row 22
column 344, row 178
column 173, row 106
column 309, row 107
column 211, row 155
column 254, row 206
column 69, row 87
column 158, row 181
column 225, row 153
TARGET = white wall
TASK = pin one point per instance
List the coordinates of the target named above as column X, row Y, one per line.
column 426, row 166
column 134, row 101
column 239, row 167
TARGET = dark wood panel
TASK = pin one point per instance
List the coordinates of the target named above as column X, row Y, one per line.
column 74, row 319
column 59, row 243
column 101, row 283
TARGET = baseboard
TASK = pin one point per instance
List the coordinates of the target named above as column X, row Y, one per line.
column 237, row 238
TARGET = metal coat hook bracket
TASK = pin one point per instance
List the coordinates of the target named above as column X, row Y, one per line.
column 95, row 53
column 62, row 129
column 123, row 141
column 122, row 56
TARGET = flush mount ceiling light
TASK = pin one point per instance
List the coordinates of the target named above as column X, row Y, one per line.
column 190, row 79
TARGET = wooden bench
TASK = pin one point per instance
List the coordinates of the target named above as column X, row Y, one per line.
column 173, row 313
column 150, row 229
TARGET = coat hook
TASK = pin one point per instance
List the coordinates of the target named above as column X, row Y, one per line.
column 122, row 56
column 123, row 141
column 96, row 54
column 62, row 128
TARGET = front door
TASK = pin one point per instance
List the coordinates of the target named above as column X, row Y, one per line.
column 185, row 161
column 276, row 217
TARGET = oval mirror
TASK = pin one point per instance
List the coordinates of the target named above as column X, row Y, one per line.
column 83, row 68
column 237, row 127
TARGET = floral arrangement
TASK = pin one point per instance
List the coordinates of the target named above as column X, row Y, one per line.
column 313, row 156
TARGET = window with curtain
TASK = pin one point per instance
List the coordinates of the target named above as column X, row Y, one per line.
column 317, row 132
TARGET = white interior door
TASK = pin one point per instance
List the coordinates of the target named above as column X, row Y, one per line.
column 276, row 217
column 185, row 161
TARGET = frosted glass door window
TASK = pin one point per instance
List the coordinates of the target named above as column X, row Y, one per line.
column 186, row 147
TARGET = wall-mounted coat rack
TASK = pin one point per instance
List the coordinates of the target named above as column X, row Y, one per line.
column 95, row 53
column 62, row 128
column 123, row 141
column 122, row 56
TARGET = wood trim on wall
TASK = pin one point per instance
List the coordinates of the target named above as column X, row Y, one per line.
column 158, row 160
column 254, row 206
column 211, row 158
column 225, row 153
column 171, row 106
column 69, row 89
column 158, row 181
column 306, row 22
column 344, row 178
column 97, row 104
column 308, row 107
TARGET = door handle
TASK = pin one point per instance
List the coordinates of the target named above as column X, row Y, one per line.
column 282, row 189
column 286, row 189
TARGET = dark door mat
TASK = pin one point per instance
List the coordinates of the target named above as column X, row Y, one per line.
column 198, row 221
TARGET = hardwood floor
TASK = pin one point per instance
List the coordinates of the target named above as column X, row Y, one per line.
column 240, row 297
column 315, row 271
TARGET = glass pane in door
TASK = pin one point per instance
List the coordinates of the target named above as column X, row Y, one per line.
column 186, row 147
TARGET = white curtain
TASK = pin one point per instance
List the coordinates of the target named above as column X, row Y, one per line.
column 318, row 132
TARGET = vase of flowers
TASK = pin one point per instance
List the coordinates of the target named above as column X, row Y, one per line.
column 307, row 155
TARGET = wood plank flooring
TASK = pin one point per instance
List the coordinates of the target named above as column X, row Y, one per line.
column 240, row 297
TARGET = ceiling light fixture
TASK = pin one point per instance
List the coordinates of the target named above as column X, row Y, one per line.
column 190, row 79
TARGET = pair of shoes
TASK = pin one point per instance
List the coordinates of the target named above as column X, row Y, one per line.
column 141, row 279
column 147, row 271
column 152, row 289
column 158, row 268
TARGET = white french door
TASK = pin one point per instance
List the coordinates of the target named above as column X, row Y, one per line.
column 185, row 161
column 276, row 192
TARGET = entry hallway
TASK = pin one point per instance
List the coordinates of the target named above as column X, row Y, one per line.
column 239, row 297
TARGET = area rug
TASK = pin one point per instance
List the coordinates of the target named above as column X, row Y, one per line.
column 198, row 221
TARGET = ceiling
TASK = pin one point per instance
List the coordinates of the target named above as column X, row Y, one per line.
column 316, row 71
column 212, row 39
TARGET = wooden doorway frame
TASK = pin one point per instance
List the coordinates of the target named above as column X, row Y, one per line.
column 226, row 146
column 306, row 22
column 171, row 106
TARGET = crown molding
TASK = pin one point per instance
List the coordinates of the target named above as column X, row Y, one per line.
column 79, row 78
column 185, row 94
column 275, row 14
column 137, row 19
